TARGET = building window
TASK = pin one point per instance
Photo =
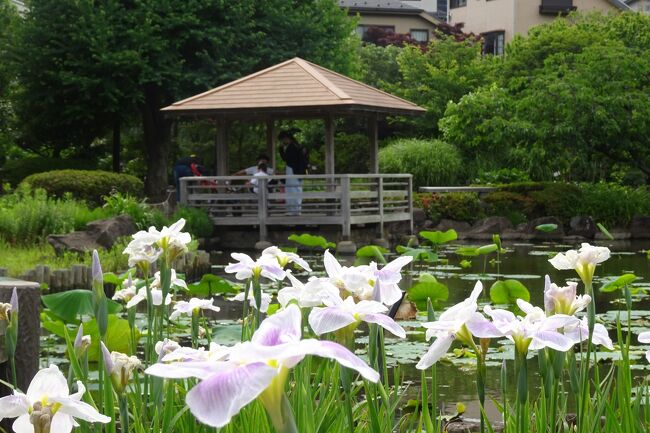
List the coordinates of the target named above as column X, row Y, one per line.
column 453, row 4
column 493, row 43
column 362, row 30
column 420, row 35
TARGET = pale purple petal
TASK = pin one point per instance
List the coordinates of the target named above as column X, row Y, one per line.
column 389, row 293
column 79, row 338
column 15, row 405
column 332, row 266
column 329, row 319
column 476, row 292
column 98, row 276
column 187, row 369
column 601, row 337
column 106, row 355
column 218, row 398
column 14, row 301
column 23, row 425
column 331, row 350
column 387, row 323
column 282, row 327
column 48, row 382
column 480, row 327
column 61, row 423
column 553, row 340
column 436, row 351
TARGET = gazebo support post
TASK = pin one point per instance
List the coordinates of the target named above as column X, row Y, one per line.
column 373, row 143
column 329, row 144
column 270, row 141
column 221, row 148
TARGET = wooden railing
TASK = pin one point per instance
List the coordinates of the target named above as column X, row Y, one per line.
column 341, row 199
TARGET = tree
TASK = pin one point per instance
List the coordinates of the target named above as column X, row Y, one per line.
column 88, row 64
column 572, row 98
column 9, row 19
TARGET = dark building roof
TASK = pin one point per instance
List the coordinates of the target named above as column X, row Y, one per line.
column 382, row 6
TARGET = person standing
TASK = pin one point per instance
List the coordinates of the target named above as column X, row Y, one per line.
column 296, row 159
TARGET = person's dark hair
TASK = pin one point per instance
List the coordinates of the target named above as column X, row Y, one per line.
column 285, row 134
column 263, row 156
column 262, row 167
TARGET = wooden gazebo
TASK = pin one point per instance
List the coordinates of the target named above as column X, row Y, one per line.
column 295, row 89
column 298, row 89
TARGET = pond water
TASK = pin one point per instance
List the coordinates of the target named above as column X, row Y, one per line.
column 456, row 373
column 525, row 262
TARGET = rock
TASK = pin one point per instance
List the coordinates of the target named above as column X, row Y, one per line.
column 469, row 426
column 262, row 245
column 530, row 228
column 582, row 226
column 459, row 226
column 640, row 227
column 428, row 224
column 419, row 215
column 617, row 232
column 346, row 248
column 410, row 240
column 98, row 234
column 108, row 230
column 515, row 235
column 485, row 228
column 381, row 242
column 406, row 311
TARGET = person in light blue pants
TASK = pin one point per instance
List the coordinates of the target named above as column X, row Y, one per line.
column 296, row 158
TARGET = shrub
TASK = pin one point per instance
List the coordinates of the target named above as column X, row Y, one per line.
column 612, row 204
column 143, row 215
column 352, row 153
column 501, row 176
column 431, row 162
column 198, row 222
column 459, row 206
column 556, row 199
column 512, row 205
column 15, row 170
column 28, row 216
column 89, row 185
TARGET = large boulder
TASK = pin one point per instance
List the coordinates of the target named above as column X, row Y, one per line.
column 459, row 226
column 583, row 226
column 640, row 227
column 485, row 228
column 419, row 216
column 98, row 234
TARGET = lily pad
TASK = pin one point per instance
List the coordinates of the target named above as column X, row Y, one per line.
column 311, row 241
column 508, row 291
column 438, row 237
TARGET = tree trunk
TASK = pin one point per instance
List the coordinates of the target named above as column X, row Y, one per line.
column 157, row 132
column 116, row 144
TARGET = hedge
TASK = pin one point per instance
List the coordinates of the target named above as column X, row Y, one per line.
column 15, row 170
column 89, row 185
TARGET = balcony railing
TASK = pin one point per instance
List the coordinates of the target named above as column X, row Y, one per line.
column 556, row 7
column 341, row 199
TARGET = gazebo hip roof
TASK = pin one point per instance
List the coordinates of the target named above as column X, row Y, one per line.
column 294, row 89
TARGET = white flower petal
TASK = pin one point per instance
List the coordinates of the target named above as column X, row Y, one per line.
column 436, row 351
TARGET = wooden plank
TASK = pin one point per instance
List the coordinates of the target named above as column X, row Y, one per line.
column 373, row 143
column 270, row 141
column 221, row 151
column 329, row 145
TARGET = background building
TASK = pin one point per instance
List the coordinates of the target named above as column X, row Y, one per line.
column 500, row 20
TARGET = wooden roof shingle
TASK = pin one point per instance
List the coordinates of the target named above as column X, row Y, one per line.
column 295, row 88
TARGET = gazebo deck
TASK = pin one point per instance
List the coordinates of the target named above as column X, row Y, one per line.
column 340, row 199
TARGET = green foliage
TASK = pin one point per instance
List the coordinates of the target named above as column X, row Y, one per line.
column 71, row 304
column 501, row 176
column 123, row 204
column 379, row 67
column 210, row 285
column 369, row 253
column 613, row 205
column 459, row 206
column 508, row 291
column 311, row 241
column 438, row 237
column 618, row 283
column 418, row 254
column 427, row 288
column 89, row 185
column 431, row 162
column 512, row 205
column 546, row 228
column 566, row 100
column 197, row 221
column 15, row 170
column 443, row 73
column 27, row 217
column 351, row 152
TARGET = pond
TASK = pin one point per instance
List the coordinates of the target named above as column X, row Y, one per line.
column 525, row 262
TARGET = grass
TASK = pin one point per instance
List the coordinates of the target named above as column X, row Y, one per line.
column 18, row 259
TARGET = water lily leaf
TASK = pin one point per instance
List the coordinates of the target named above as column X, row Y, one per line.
column 497, row 240
column 508, row 291
column 546, row 228
column 372, row 252
column 212, row 285
column 427, row 288
column 438, row 237
column 71, row 304
column 465, row 263
column 417, row 253
column 118, row 336
column 618, row 283
column 487, row 249
column 311, row 241
column 467, row 251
